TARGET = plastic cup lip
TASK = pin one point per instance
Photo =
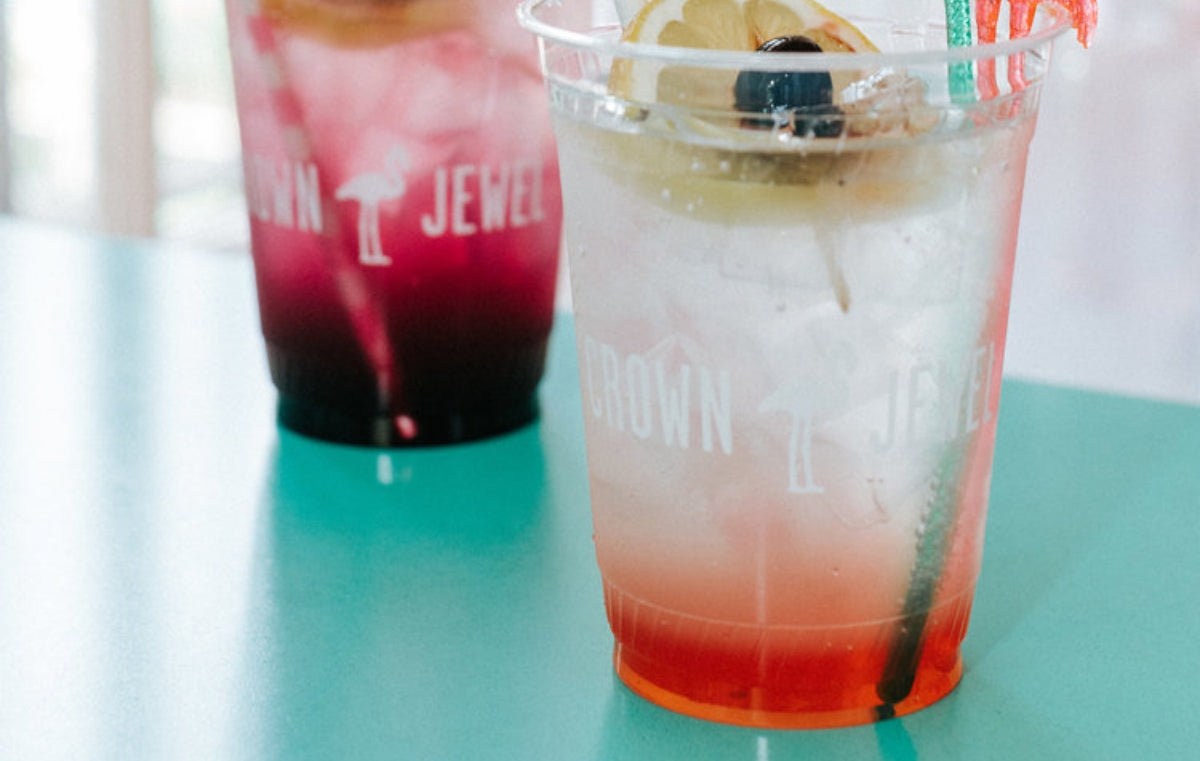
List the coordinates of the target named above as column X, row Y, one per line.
column 1053, row 21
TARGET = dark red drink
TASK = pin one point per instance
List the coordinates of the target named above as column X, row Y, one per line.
column 405, row 216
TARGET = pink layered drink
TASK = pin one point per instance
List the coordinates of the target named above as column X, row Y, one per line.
column 404, row 213
column 791, row 270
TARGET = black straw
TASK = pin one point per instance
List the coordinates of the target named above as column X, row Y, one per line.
column 900, row 671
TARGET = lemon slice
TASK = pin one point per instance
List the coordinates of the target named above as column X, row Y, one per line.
column 365, row 23
column 722, row 25
column 703, row 162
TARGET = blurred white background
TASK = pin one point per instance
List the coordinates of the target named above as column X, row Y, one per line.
column 120, row 118
column 1107, row 289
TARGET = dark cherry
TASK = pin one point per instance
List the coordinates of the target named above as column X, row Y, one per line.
column 807, row 94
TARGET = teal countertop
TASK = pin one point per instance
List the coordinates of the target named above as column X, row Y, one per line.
column 179, row 578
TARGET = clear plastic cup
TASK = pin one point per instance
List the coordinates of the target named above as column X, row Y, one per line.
column 790, row 331
column 404, row 213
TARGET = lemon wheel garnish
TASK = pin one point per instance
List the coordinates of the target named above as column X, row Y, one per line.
column 740, row 25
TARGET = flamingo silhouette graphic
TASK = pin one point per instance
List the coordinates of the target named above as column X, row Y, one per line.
column 812, row 391
column 809, row 395
column 796, row 400
column 369, row 190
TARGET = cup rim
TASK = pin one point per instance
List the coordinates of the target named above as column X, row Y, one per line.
column 1057, row 23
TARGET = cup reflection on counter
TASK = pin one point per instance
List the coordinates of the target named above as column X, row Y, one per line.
column 381, row 579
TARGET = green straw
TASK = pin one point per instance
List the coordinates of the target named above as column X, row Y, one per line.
column 937, row 522
column 958, row 35
column 900, row 671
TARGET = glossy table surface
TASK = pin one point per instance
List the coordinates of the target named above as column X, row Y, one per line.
column 179, row 578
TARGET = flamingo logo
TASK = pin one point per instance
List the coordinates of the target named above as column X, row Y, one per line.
column 813, row 391
column 796, row 400
column 370, row 189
